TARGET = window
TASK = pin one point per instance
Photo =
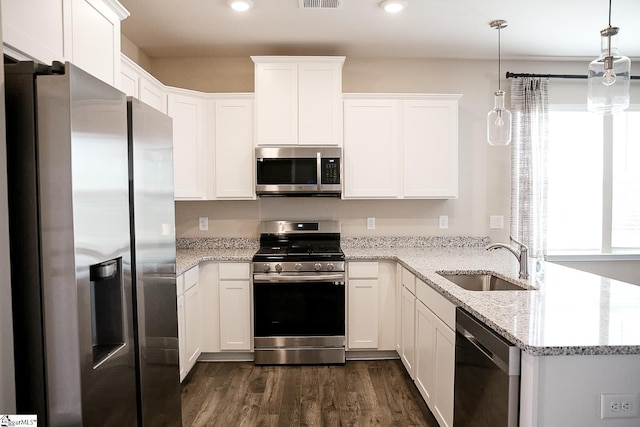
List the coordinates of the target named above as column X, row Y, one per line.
column 593, row 181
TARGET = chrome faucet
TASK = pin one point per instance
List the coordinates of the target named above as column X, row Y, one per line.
column 522, row 254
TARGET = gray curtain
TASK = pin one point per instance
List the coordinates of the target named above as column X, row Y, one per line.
column 529, row 105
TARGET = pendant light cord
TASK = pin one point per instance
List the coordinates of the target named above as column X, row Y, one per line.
column 609, row 13
column 499, row 57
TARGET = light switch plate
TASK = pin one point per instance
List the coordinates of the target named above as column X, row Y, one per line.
column 496, row 222
column 443, row 221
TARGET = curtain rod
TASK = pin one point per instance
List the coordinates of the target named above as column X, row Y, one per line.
column 511, row 75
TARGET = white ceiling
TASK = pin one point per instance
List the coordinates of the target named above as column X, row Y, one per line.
column 426, row 29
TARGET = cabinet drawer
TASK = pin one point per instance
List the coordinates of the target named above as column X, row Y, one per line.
column 363, row 270
column 437, row 303
column 409, row 280
column 234, row 271
column 191, row 277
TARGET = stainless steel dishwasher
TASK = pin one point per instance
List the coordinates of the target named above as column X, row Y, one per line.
column 487, row 376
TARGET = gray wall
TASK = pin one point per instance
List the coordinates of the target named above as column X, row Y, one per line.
column 7, row 388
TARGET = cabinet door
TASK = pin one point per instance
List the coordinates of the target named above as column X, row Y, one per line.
column 129, row 79
column 152, row 93
column 445, row 347
column 192, row 325
column 425, row 352
column 319, row 103
column 189, row 146
column 363, row 313
column 408, row 330
column 36, row 28
column 233, row 157
column 182, row 353
column 430, row 149
column 370, row 149
column 96, row 39
column 276, row 88
column 235, row 315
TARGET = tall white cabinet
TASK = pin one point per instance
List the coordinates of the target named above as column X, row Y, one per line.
column 400, row 146
column 298, row 100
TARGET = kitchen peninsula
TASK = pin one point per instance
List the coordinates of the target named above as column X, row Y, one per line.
column 577, row 331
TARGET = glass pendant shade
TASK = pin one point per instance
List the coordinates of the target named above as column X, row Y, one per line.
column 609, row 77
column 499, row 122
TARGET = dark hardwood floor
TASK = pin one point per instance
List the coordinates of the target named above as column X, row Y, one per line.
column 359, row 393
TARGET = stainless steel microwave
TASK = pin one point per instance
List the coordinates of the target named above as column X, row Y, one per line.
column 298, row 171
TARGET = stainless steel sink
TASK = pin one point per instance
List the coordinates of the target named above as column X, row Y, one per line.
column 482, row 282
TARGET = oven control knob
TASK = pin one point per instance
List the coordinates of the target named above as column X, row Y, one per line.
column 266, row 267
column 278, row 268
column 317, row 266
column 330, row 266
column 298, row 266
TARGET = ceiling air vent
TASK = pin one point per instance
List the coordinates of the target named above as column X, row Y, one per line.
column 320, row 4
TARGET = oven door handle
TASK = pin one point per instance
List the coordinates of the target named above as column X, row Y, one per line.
column 265, row 278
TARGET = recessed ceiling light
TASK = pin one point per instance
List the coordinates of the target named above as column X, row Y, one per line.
column 393, row 6
column 240, row 5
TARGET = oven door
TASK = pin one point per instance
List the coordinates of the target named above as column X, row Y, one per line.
column 299, row 322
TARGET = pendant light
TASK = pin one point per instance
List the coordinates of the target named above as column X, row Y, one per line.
column 499, row 119
column 609, row 75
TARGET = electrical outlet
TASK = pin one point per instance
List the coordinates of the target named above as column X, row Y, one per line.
column 443, row 221
column 496, row 222
column 619, row 405
column 203, row 223
column 371, row 223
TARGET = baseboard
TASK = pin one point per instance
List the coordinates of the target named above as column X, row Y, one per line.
column 227, row 356
column 372, row 355
column 245, row 356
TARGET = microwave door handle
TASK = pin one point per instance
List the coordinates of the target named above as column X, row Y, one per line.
column 318, row 170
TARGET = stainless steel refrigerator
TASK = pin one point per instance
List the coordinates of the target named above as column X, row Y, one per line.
column 92, row 248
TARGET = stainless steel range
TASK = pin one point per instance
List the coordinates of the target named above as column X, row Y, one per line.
column 299, row 293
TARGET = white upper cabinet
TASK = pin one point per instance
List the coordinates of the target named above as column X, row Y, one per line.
column 152, row 93
column 430, row 148
column 190, row 145
column 298, row 100
column 371, row 141
column 400, row 146
column 83, row 32
column 136, row 82
column 233, row 157
column 96, row 37
column 41, row 35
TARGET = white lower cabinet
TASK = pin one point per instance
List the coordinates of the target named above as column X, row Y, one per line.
column 181, row 337
column 226, row 300
column 363, row 305
column 435, row 359
column 435, row 351
column 235, row 306
column 189, row 319
column 371, row 305
column 407, row 345
column 407, row 298
column 426, row 344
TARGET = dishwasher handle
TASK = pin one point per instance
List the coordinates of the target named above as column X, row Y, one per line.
column 501, row 352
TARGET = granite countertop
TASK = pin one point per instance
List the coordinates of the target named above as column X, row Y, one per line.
column 564, row 312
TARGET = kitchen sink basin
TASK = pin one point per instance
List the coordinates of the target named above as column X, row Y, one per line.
column 482, row 282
